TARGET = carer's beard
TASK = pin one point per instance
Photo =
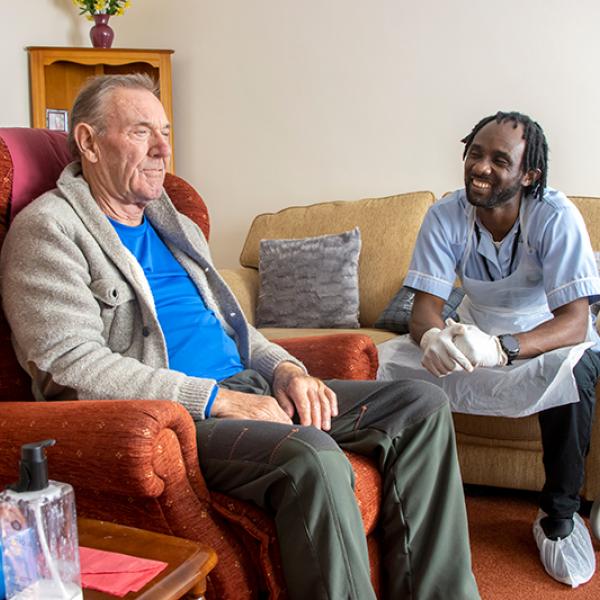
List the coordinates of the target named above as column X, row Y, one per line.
column 498, row 198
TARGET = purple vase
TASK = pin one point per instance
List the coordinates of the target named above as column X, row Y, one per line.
column 101, row 33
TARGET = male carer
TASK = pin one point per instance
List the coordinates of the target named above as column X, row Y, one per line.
column 525, row 343
column 111, row 293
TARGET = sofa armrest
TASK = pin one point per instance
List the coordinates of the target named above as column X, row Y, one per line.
column 335, row 356
column 244, row 285
column 105, row 446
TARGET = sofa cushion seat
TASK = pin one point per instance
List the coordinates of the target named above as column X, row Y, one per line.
column 525, row 429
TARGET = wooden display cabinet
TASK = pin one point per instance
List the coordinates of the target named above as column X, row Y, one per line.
column 57, row 74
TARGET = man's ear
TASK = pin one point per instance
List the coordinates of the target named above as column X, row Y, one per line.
column 530, row 177
column 85, row 138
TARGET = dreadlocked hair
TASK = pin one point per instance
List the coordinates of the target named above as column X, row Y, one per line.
column 536, row 147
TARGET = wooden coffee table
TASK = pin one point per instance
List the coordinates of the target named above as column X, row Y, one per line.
column 188, row 562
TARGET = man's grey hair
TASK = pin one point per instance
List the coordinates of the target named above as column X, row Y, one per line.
column 89, row 106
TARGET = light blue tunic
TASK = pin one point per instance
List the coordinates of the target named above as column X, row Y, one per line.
column 556, row 234
column 553, row 265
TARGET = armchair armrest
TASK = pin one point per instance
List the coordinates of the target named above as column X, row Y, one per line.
column 105, row 446
column 133, row 462
column 244, row 285
column 335, row 356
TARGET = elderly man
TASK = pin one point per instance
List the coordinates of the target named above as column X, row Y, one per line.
column 110, row 292
column 527, row 268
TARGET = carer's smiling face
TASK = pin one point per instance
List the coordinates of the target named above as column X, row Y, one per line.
column 493, row 165
column 133, row 149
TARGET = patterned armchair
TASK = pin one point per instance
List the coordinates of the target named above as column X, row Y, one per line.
column 135, row 461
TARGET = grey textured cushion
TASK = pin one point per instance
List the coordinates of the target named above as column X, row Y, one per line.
column 396, row 315
column 310, row 282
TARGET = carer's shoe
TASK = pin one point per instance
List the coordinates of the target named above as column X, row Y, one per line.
column 570, row 560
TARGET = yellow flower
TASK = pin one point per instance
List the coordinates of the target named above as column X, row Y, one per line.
column 89, row 17
column 89, row 8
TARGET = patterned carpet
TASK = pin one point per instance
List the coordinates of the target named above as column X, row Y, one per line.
column 505, row 556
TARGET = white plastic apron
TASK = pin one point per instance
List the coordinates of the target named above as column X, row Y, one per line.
column 510, row 305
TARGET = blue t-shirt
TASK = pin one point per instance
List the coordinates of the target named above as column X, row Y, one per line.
column 197, row 343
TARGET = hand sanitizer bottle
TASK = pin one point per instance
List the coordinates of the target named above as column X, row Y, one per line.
column 2, row 596
column 38, row 533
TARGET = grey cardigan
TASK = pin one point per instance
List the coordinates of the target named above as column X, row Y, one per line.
column 81, row 311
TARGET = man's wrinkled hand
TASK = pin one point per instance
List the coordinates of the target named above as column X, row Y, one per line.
column 239, row 405
column 440, row 354
column 295, row 391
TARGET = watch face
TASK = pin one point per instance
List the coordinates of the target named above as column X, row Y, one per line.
column 510, row 344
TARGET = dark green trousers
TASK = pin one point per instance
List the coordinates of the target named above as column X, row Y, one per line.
column 302, row 477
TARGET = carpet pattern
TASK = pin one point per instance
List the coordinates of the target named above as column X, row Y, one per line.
column 505, row 556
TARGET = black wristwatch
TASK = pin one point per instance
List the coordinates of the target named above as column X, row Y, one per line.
column 510, row 345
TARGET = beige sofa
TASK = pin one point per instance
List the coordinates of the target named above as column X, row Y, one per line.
column 493, row 451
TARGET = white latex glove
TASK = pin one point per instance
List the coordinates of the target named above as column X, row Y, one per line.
column 481, row 349
column 440, row 354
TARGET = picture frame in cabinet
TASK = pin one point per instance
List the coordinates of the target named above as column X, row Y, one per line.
column 57, row 120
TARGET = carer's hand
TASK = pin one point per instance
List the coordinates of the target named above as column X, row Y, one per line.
column 296, row 391
column 440, row 354
column 239, row 405
column 481, row 349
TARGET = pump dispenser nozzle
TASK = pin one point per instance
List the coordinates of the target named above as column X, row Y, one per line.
column 33, row 467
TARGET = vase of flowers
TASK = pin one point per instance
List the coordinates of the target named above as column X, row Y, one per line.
column 99, row 11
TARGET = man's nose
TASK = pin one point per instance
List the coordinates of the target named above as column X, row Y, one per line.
column 160, row 146
column 482, row 166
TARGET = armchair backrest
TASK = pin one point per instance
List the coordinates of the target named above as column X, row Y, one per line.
column 31, row 161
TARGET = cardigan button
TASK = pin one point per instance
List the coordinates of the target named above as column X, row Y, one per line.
column 146, row 331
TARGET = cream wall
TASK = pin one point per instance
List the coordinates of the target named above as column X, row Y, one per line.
column 281, row 102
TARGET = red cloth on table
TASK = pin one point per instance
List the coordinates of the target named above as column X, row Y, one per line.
column 114, row 573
